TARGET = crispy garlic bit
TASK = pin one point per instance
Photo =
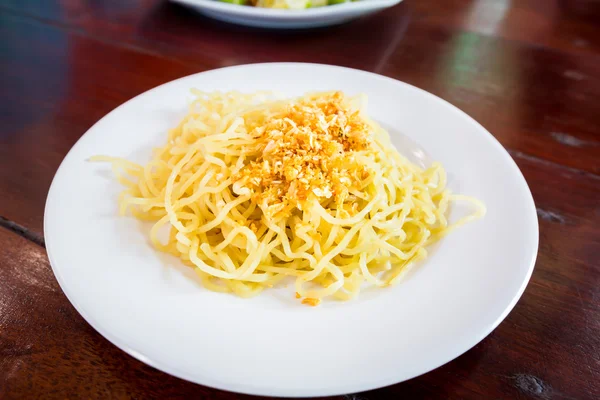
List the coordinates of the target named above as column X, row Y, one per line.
column 311, row 302
column 307, row 151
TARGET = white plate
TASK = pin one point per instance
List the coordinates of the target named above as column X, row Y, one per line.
column 149, row 305
column 287, row 19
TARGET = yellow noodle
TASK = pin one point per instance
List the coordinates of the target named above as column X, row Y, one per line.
column 371, row 231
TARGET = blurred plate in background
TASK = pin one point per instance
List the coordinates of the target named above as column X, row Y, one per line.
column 287, row 19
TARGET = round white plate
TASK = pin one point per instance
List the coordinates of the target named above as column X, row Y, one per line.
column 287, row 19
column 149, row 304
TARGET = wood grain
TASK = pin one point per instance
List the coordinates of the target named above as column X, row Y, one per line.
column 535, row 101
column 529, row 71
column 47, row 351
column 567, row 25
column 56, row 85
column 173, row 31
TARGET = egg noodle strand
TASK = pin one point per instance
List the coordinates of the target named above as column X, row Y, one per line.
column 330, row 243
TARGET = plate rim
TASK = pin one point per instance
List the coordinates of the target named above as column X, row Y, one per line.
column 304, row 14
column 279, row 392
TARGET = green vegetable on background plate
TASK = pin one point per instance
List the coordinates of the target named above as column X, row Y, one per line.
column 287, row 4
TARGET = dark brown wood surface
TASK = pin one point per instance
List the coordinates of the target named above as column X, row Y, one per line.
column 527, row 70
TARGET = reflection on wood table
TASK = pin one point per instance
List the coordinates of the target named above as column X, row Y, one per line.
column 528, row 71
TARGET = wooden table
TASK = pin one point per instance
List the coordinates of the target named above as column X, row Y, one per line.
column 528, row 70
